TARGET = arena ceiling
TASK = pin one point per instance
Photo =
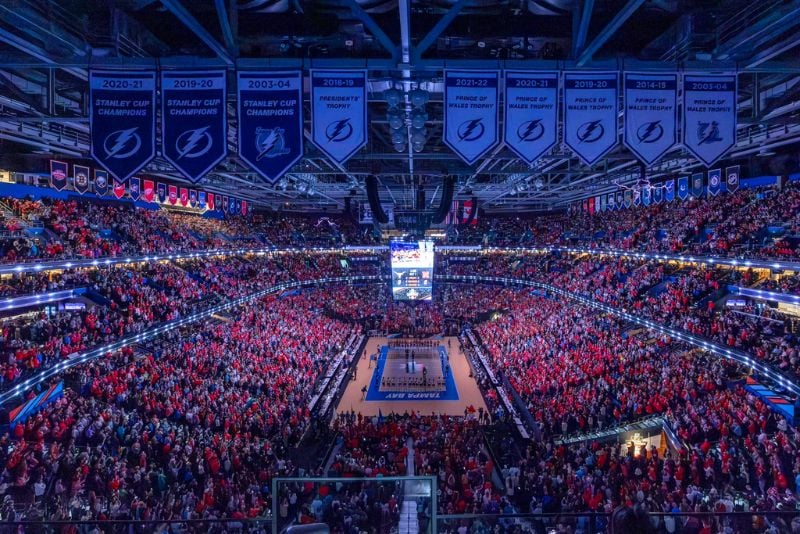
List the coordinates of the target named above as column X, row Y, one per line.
column 47, row 47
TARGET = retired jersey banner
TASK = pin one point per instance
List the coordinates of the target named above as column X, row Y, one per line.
column 471, row 111
column 173, row 194
column 590, row 113
column 100, row 182
column 271, row 121
column 709, row 115
column 134, row 188
column 651, row 114
column 732, row 178
column 339, row 112
column 81, row 179
column 148, row 191
column 669, row 190
column 714, row 182
column 531, row 113
column 193, row 121
column 119, row 188
column 184, row 196
column 161, row 192
column 122, row 115
column 697, row 185
column 58, row 174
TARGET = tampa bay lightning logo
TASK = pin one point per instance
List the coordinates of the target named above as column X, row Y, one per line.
column 122, row 143
column 708, row 132
column 650, row 132
column 471, row 130
column 590, row 132
column 194, row 143
column 339, row 131
column 531, row 130
column 270, row 143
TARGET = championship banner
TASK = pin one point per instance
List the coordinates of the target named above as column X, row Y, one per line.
column 184, row 196
column 133, row 188
column 590, row 113
column 192, row 198
column 658, row 194
column 122, row 115
column 201, row 200
column 173, row 195
column 119, row 188
column 161, row 192
column 271, row 121
column 100, row 182
column 697, row 185
column 651, row 114
column 211, row 201
column 471, row 112
column 58, row 174
column 669, row 190
column 339, row 112
column 732, row 178
column 714, row 182
column 193, row 121
column 81, row 178
column 531, row 113
column 709, row 115
column 683, row 187
column 148, row 192
column 646, row 196
column 620, row 200
column 628, row 195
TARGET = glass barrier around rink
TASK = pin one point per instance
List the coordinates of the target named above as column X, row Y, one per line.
column 380, row 505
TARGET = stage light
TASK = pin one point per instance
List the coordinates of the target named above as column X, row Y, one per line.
column 396, row 119
column 418, row 97
column 399, row 136
column 393, row 97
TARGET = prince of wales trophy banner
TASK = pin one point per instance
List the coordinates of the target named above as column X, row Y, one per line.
column 193, row 122
column 590, row 113
column 651, row 114
column 123, row 120
column 531, row 113
column 339, row 112
column 471, row 112
column 709, row 115
column 270, row 121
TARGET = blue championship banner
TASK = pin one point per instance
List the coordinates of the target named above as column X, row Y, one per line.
column 590, row 113
column 339, row 112
column 709, row 115
column 531, row 113
column 651, row 114
column 732, row 178
column 58, row 174
column 193, row 121
column 100, row 182
column 714, row 182
column 122, row 114
column 471, row 104
column 270, row 121
column 81, row 179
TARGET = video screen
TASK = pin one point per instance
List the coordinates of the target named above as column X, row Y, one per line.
column 412, row 270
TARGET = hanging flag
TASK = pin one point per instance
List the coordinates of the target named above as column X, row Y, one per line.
column 232, row 206
column 620, row 200
column 531, row 113
column 471, row 104
column 161, row 191
column 173, row 195
column 100, row 182
column 271, row 121
column 611, row 202
column 58, row 174
column 585, row 206
column 244, row 208
column 224, row 206
column 201, row 200
column 452, row 216
column 646, row 196
column 591, row 206
column 637, row 197
column 466, row 212
column 683, row 187
column 709, row 115
column 81, row 178
column 658, row 194
column 628, row 198
column 651, row 114
column 714, row 182
column 184, row 196
column 193, row 120
column 133, row 188
column 211, row 201
column 119, row 188
column 122, row 115
column 192, row 198
column 590, row 113
column 732, row 178
column 339, row 112
column 669, row 190
column 697, row 185
column 148, row 193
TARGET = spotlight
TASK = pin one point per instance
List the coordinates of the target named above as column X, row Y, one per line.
column 418, row 97
column 418, row 118
column 399, row 136
column 395, row 118
column 393, row 97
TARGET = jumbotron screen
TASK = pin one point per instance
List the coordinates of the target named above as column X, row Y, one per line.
column 412, row 270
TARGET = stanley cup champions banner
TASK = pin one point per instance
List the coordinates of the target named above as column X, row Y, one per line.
column 193, row 121
column 531, row 113
column 709, row 115
column 471, row 105
column 651, row 114
column 123, row 120
column 339, row 112
column 270, row 121
column 590, row 113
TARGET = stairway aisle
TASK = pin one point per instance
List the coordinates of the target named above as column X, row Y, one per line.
column 409, row 522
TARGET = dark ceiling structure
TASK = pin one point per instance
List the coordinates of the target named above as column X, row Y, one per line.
column 48, row 46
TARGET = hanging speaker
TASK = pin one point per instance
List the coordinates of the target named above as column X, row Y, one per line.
column 371, row 183
column 448, row 189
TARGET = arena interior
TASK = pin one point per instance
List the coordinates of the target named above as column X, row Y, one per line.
column 400, row 266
